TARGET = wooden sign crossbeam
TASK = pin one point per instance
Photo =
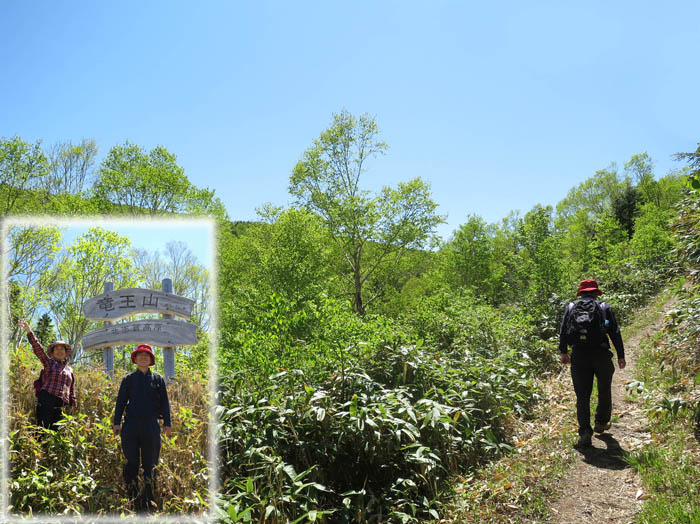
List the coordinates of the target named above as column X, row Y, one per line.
column 161, row 332
column 124, row 302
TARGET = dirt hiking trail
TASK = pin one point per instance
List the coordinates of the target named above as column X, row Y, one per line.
column 600, row 487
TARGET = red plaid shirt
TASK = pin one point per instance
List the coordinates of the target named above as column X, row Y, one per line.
column 59, row 379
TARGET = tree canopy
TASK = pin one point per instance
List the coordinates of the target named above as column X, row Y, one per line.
column 369, row 230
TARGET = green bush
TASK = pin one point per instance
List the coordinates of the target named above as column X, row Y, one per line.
column 373, row 433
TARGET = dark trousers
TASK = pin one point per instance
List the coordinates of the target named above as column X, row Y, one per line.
column 48, row 409
column 140, row 444
column 586, row 364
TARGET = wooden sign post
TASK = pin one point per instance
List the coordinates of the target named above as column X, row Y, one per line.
column 168, row 351
column 166, row 332
column 108, row 352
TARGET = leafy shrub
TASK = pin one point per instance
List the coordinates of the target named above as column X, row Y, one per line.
column 374, row 437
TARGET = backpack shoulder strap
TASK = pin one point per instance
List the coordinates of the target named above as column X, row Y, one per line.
column 604, row 308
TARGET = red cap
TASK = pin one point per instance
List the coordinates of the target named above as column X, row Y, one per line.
column 146, row 349
column 588, row 286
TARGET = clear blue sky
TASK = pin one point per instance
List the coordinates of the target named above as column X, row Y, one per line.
column 499, row 105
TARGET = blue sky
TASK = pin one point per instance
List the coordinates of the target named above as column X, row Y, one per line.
column 499, row 105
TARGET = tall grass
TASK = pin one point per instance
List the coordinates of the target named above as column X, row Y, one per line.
column 78, row 469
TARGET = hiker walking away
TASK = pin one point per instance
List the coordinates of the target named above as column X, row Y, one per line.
column 57, row 380
column 586, row 326
column 145, row 398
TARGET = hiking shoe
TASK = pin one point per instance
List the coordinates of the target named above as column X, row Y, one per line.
column 584, row 440
column 599, row 428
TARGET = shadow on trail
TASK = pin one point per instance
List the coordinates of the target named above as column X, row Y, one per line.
column 610, row 457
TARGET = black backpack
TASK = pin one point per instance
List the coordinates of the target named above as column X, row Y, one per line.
column 585, row 324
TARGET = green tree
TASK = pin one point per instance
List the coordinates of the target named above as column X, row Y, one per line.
column 204, row 202
column 32, row 253
column 540, row 264
column 23, row 166
column 472, row 259
column 369, row 231
column 131, row 179
column 190, row 279
column 652, row 243
column 595, row 196
column 641, row 168
column 71, row 167
column 608, row 246
column 44, row 330
column 693, row 161
column 625, row 207
column 94, row 258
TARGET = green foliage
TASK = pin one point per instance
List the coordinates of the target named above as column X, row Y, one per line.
column 139, row 181
column 281, row 334
column 595, row 196
column 540, row 267
column 44, row 330
column 71, row 167
column 94, row 258
column 651, row 244
column 135, row 181
column 608, row 246
column 686, row 229
column 693, row 160
column 327, row 415
column 374, row 441
column 471, row 260
column 23, row 166
column 625, row 207
column 368, row 231
column 32, row 251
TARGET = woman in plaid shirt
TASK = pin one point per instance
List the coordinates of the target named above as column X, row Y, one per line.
column 58, row 384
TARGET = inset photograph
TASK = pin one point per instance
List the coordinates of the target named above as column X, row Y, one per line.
column 107, row 368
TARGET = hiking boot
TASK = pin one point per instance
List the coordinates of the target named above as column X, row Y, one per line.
column 584, row 440
column 599, row 428
column 133, row 493
column 148, row 492
column 132, row 490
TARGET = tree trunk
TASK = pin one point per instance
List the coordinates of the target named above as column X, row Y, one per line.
column 359, row 305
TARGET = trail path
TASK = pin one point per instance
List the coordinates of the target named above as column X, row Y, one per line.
column 601, row 487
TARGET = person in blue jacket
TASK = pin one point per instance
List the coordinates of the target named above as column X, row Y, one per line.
column 145, row 398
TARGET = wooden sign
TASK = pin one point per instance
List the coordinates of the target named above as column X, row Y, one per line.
column 161, row 332
column 124, row 302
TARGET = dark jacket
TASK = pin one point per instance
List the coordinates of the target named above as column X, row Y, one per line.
column 612, row 329
column 143, row 395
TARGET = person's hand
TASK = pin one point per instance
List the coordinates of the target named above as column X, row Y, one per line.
column 24, row 325
column 565, row 358
column 167, row 430
column 117, row 429
column 621, row 362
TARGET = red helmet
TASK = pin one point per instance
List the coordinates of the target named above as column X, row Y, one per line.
column 588, row 286
column 146, row 349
